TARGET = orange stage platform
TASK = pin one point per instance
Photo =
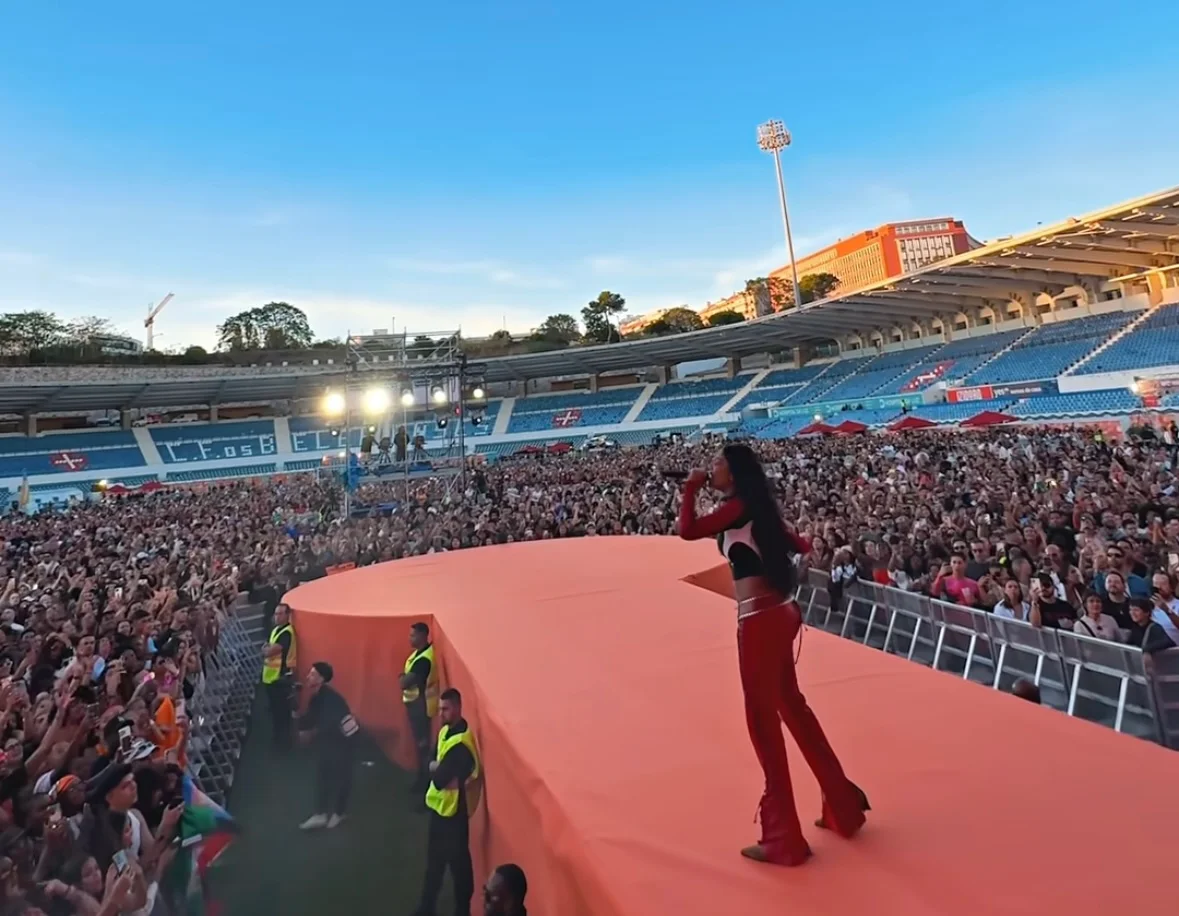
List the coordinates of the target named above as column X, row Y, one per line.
column 604, row 692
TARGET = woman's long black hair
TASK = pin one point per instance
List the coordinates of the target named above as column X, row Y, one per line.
column 769, row 533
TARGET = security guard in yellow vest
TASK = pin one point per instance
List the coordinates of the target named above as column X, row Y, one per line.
column 419, row 693
column 279, row 657
column 451, row 796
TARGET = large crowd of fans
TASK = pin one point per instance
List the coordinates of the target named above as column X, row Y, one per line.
column 108, row 608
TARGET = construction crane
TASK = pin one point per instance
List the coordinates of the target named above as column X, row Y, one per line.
column 150, row 323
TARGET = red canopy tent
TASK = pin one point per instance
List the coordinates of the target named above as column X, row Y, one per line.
column 850, row 427
column 529, row 450
column 818, row 428
column 987, row 418
column 911, row 422
column 560, row 448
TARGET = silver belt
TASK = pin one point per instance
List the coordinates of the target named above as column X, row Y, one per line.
column 748, row 607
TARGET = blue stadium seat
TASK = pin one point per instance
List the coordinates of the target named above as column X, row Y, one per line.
column 1051, row 349
column 1107, row 401
column 182, row 443
column 1155, row 342
column 545, row 412
column 66, row 452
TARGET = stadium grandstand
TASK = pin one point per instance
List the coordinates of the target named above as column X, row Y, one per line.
column 1076, row 322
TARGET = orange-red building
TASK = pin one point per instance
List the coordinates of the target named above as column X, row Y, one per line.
column 886, row 251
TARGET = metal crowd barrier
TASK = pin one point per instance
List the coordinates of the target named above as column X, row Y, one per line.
column 220, row 707
column 1106, row 682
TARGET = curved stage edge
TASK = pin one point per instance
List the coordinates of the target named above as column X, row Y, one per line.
column 600, row 675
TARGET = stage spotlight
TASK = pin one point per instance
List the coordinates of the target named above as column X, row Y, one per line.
column 376, row 400
column 442, row 421
column 372, row 430
column 438, row 395
column 335, row 431
column 407, row 398
column 334, row 403
column 477, row 420
column 818, row 418
column 478, row 393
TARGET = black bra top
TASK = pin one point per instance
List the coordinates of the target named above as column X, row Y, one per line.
column 739, row 548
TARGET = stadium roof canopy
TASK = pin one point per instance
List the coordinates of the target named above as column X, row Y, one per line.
column 1119, row 243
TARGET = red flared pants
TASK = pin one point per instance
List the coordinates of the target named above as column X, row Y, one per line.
column 765, row 642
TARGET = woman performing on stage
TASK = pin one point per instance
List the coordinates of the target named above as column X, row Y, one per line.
column 761, row 550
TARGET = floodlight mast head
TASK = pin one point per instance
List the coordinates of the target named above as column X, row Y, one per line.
column 772, row 136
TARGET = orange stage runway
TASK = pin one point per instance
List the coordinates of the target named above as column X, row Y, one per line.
column 604, row 692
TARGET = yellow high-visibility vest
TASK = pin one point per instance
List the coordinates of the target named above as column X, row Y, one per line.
column 410, row 694
column 445, row 802
column 272, row 668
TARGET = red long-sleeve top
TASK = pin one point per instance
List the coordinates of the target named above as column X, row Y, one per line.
column 728, row 514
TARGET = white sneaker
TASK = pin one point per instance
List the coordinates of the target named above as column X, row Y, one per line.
column 334, row 821
column 315, row 822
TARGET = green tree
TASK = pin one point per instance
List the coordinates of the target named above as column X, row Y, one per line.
column 728, row 316
column 817, row 286
column 769, row 294
column 596, row 318
column 83, row 330
column 676, row 321
column 194, row 354
column 23, row 332
column 560, row 328
column 274, row 326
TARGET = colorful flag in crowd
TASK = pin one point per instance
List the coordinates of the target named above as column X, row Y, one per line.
column 206, row 830
column 24, row 496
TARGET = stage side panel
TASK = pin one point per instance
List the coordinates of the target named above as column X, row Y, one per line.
column 519, row 819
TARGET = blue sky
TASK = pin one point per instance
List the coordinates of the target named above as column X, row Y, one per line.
column 474, row 164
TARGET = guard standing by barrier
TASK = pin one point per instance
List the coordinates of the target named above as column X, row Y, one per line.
column 419, row 693
column 451, row 796
column 279, row 657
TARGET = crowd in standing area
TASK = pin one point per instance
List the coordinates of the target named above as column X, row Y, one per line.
column 107, row 608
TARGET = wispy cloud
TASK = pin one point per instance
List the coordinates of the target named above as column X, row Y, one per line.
column 489, row 270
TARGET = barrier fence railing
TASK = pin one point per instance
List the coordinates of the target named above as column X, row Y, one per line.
column 1106, row 682
column 219, row 709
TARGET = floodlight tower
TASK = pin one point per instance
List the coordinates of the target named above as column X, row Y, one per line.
column 772, row 138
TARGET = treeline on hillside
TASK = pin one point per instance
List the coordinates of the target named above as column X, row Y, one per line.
column 280, row 331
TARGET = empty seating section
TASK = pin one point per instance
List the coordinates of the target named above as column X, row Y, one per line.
column 965, row 356
column 578, row 408
column 698, row 398
column 1116, row 400
column 214, row 441
column 777, row 428
column 818, row 389
column 72, row 452
column 1051, row 349
column 879, row 373
column 778, row 385
column 249, row 470
column 1155, row 342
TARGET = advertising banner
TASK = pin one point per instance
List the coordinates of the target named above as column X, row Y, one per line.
column 990, row 392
